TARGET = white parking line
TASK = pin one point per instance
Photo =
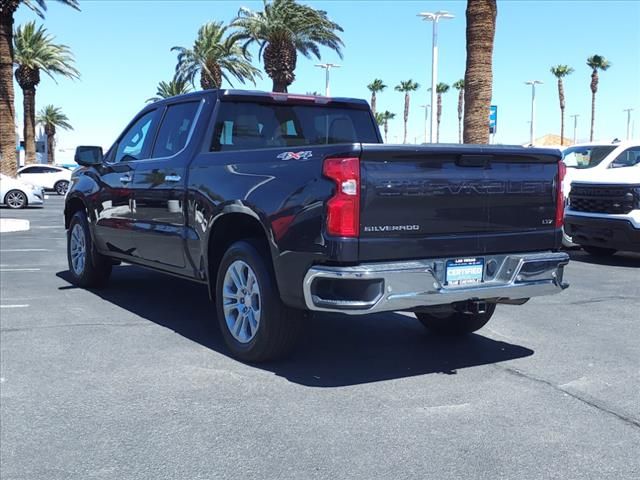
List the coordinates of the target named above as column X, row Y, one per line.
column 49, row 226
column 25, row 250
column 19, row 269
column 14, row 306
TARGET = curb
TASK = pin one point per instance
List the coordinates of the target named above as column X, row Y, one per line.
column 13, row 225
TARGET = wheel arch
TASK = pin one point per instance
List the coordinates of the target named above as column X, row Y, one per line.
column 72, row 205
column 228, row 228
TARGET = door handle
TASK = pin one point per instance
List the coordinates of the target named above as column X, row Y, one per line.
column 125, row 178
column 172, row 178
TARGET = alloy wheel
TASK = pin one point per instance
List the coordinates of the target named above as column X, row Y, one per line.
column 78, row 248
column 16, row 199
column 242, row 304
column 62, row 187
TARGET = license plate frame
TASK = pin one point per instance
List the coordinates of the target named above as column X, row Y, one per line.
column 464, row 272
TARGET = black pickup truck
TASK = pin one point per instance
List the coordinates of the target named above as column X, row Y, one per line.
column 284, row 204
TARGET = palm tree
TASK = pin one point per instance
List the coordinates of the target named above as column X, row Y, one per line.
column 36, row 50
column 459, row 85
column 478, row 77
column 283, row 29
column 595, row 62
column 8, row 9
column 374, row 87
column 177, row 86
column 406, row 86
column 215, row 57
column 440, row 89
column 50, row 118
column 382, row 118
column 561, row 71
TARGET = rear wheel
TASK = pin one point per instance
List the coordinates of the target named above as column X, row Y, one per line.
column 452, row 322
column 88, row 268
column 15, row 199
column 599, row 251
column 255, row 324
column 61, row 187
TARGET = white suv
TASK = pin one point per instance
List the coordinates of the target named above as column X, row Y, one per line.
column 49, row 177
column 603, row 215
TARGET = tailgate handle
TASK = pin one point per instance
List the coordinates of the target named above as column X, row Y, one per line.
column 483, row 161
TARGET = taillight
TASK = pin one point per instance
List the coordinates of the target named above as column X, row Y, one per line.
column 343, row 209
column 562, row 170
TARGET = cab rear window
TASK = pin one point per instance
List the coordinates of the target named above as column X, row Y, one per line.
column 247, row 126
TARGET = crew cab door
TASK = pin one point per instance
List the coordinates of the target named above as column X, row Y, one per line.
column 158, row 189
column 114, row 204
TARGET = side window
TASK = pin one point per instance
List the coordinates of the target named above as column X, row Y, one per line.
column 28, row 170
column 174, row 130
column 628, row 158
column 50, row 170
column 132, row 145
column 241, row 126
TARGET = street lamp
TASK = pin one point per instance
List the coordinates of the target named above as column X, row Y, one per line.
column 435, row 18
column 426, row 117
column 575, row 127
column 327, row 67
column 533, row 84
column 628, row 110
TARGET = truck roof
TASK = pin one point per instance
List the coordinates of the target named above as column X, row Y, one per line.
column 262, row 96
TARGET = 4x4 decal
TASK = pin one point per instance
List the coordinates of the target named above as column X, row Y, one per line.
column 296, row 155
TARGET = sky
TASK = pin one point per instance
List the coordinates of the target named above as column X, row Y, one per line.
column 122, row 49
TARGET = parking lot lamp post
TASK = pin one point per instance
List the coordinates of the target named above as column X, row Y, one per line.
column 426, row 122
column 628, row 110
column 575, row 127
column 327, row 67
column 435, row 18
column 532, row 130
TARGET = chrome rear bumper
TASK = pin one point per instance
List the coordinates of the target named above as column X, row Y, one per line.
column 380, row 287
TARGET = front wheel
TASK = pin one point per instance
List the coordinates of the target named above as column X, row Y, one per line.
column 16, row 199
column 255, row 324
column 455, row 323
column 599, row 251
column 61, row 187
column 88, row 269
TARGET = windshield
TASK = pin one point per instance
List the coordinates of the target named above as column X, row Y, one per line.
column 586, row 156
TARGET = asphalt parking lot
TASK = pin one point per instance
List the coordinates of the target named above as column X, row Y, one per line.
column 133, row 382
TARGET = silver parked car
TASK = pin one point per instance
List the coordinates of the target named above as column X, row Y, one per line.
column 15, row 193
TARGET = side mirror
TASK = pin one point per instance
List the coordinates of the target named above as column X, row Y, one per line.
column 88, row 156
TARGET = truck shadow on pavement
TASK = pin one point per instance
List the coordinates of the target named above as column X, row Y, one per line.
column 335, row 350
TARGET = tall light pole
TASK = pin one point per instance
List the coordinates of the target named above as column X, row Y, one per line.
column 426, row 118
column 327, row 67
column 628, row 110
column 575, row 127
column 435, row 18
column 533, row 84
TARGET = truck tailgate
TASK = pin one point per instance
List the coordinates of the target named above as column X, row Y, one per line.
column 420, row 202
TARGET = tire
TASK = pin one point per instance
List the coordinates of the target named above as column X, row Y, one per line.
column 16, row 199
column 599, row 251
column 88, row 268
column 256, row 325
column 61, row 187
column 455, row 323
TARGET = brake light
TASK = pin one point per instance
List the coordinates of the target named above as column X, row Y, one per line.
column 343, row 209
column 562, row 170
